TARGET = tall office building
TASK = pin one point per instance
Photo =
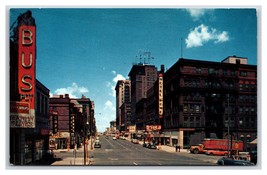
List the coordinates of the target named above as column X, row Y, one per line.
column 123, row 97
column 142, row 78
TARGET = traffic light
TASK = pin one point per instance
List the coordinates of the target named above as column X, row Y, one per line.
column 72, row 123
column 55, row 124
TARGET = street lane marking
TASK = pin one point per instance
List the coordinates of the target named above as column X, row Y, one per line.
column 123, row 145
column 110, row 143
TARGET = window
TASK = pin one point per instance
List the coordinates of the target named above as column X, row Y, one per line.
column 211, row 71
column 240, row 87
column 233, row 73
column 198, row 70
column 197, row 108
column 217, row 72
column 225, row 72
column 185, row 108
column 243, row 73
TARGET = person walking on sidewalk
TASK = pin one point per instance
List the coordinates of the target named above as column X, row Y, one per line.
column 177, row 147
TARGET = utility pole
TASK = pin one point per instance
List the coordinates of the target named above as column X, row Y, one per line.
column 228, row 126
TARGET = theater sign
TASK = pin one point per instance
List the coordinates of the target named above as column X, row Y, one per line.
column 22, row 113
column 160, row 96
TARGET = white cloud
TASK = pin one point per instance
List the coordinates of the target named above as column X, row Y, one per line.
column 203, row 34
column 112, row 84
column 74, row 91
column 196, row 14
column 118, row 77
column 109, row 106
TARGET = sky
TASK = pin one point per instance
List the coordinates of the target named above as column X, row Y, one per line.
column 85, row 51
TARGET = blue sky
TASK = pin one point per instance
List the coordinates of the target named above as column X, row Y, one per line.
column 85, row 51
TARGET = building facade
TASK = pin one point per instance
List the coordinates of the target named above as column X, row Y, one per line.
column 142, row 78
column 29, row 98
column 202, row 99
column 71, row 120
column 123, row 97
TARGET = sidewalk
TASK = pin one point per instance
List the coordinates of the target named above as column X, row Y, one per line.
column 171, row 149
column 72, row 160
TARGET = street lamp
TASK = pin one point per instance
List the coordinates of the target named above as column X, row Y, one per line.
column 228, row 126
column 85, row 142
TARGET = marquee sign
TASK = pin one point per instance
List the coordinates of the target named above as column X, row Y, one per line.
column 153, row 127
column 160, row 96
column 26, row 79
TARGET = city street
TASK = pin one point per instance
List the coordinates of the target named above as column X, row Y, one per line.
column 124, row 153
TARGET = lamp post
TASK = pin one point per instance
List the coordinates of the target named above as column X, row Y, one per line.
column 85, row 142
column 228, row 126
column 237, row 138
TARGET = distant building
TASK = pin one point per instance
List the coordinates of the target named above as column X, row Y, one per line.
column 142, row 78
column 72, row 120
column 112, row 126
column 201, row 98
column 123, row 97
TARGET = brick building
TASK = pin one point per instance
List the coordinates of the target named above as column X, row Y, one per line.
column 71, row 120
column 123, row 99
column 29, row 98
column 142, row 78
column 201, row 98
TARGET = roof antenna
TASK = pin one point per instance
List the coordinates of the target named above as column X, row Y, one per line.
column 181, row 47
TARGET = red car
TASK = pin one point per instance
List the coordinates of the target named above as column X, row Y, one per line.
column 216, row 152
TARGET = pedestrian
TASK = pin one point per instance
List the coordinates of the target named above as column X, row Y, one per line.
column 176, row 148
column 179, row 147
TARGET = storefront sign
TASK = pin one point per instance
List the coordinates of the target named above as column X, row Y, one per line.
column 20, row 115
column 153, row 127
column 132, row 128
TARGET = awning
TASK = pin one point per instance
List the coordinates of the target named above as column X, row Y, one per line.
column 254, row 141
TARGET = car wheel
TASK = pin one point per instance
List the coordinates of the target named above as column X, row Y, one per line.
column 196, row 151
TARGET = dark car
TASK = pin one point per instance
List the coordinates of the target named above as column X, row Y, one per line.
column 152, row 146
column 233, row 162
column 146, row 145
column 253, row 157
column 97, row 145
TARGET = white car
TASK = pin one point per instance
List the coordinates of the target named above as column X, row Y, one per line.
column 114, row 138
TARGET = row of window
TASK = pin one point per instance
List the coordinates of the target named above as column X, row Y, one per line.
column 218, row 84
column 231, row 109
column 42, row 104
column 214, row 71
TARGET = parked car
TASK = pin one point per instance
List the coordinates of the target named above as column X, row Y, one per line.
column 146, row 145
column 216, row 152
column 97, row 145
column 135, row 141
column 253, row 157
column 152, row 146
column 48, row 155
column 114, row 138
column 233, row 162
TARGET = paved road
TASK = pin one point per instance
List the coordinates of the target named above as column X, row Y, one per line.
column 124, row 153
